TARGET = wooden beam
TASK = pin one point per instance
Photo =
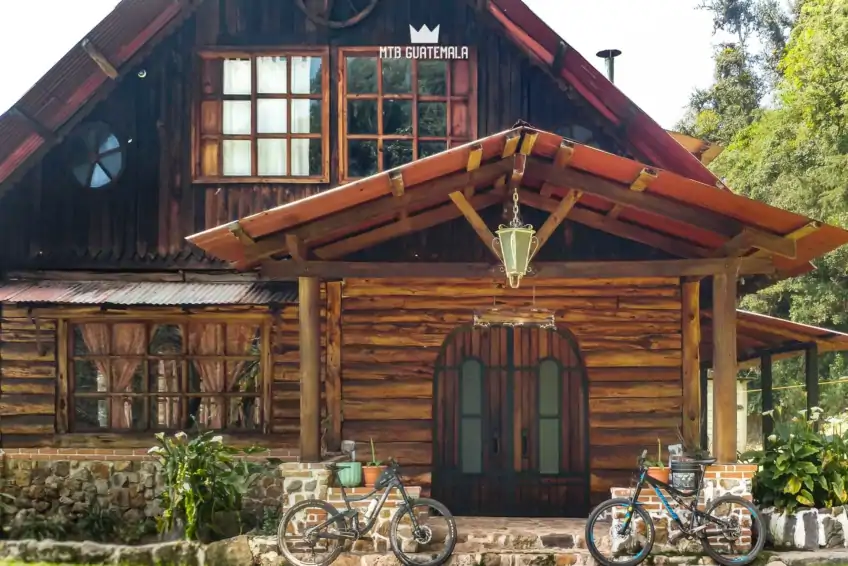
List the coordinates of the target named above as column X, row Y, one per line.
column 238, row 231
column 555, row 219
column 474, row 219
column 767, row 395
column 416, row 196
column 795, row 235
column 285, row 269
column 296, row 247
column 643, row 181
column 528, row 141
column 691, row 329
column 42, row 130
column 511, row 143
column 411, row 224
column 562, row 159
column 567, row 179
column 333, row 382
column 750, row 238
column 310, row 369
column 396, row 179
column 633, row 232
column 475, row 156
column 724, row 367
column 811, row 377
column 105, row 65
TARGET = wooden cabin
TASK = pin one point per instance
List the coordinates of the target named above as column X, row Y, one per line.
column 254, row 216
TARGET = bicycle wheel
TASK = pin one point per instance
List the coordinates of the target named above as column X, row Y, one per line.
column 436, row 528
column 299, row 543
column 608, row 545
column 741, row 535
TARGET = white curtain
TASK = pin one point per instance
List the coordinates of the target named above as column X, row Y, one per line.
column 301, row 77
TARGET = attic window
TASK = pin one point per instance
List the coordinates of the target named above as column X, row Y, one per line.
column 399, row 110
column 263, row 116
column 96, row 155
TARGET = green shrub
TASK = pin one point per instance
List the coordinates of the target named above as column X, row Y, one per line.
column 801, row 465
column 204, row 479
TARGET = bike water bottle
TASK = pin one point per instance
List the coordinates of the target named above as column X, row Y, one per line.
column 370, row 511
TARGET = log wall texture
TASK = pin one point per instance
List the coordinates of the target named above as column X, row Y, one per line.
column 629, row 333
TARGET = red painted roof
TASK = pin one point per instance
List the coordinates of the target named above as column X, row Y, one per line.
column 134, row 24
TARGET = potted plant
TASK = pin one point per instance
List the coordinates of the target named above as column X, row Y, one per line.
column 656, row 468
column 373, row 468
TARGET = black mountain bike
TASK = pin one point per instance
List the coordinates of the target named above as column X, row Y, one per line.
column 416, row 530
column 730, row 529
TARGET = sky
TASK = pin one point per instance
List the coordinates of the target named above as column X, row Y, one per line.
column 666, row 45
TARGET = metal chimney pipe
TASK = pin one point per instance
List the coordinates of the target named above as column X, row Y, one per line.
column 609, row 56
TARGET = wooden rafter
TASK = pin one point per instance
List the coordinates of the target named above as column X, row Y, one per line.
column 795, row 235
column 238, row 231
column 475, row 156
column 39, row 128
column 99, row 58
column 749, row 238
column 642, row 182
column 555, row 219
column 398, row 188
column 425, row 194
column 411, row 224
column 633, row 232
column 297, row 248
column 283, row 269
column 510, row 147
column 467, row 210
column 561, row 161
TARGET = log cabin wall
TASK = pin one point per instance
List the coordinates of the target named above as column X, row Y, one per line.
column 49, row 222
column 34, row 374
column 628, row 331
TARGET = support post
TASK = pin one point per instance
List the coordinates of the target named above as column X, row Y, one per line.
column 724, row 367
column 767, row 394
column 705, row 437
column 811, row 367
column 691, row 323
column 310, row 368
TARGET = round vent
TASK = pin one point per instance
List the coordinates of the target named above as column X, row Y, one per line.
column 97, row 155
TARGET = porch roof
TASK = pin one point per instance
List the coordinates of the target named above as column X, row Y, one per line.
column 681, row 216
column 758, row 334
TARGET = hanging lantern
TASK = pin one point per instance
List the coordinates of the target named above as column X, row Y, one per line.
column 515, row 245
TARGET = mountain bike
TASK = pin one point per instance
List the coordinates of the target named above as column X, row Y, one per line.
column 414, row 531
column 612, row 526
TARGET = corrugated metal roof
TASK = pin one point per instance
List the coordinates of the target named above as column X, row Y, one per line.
column 147, row 293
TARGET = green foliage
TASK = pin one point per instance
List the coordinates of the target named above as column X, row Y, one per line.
column 271, row 517
column 800, row 466
column 374, row 461
column 658, row 463
column 39, row 527
column 205, row 478
column 99, row 525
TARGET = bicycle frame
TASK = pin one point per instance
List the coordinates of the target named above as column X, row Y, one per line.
column 678, row 496
column 351, row 513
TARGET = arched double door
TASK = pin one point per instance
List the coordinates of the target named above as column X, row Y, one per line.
column 510, row 423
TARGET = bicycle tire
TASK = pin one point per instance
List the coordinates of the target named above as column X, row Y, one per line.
column 756, row 521
column 590, row 539
column 452, row 531
column 287, row 517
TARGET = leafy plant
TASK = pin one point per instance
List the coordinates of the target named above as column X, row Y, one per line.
column 270, row 521
column 98, row 524
column 136, row 532
column 692, row 450
column 204, row 478
column 658, row 463
column 374, row 461
column 800, row 466
column 39, row 527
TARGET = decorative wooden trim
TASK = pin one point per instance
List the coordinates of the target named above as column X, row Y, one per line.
column 62, row 386
column 99, row 58
column 214, row 53
column 284, row 270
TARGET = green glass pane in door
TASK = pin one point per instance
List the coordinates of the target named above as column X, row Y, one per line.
column 549, row 445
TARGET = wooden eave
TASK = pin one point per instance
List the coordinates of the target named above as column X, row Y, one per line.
column 686, row 218
column 759, row 334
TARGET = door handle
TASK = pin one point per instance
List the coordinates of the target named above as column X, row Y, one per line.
column 523, row 442
column 496, row 444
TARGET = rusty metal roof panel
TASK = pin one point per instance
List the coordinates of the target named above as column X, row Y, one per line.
column 147, row 293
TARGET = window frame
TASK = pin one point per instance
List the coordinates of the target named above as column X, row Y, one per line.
column 65, row 357
column 450, row 141
column 204, row 54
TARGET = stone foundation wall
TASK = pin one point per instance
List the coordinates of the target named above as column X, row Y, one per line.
column 718, row 480
column 808, row 529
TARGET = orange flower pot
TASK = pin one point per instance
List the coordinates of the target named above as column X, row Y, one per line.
column 660, row 474
column 371, row 474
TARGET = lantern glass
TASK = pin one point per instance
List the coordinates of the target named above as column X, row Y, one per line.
column 517, row 246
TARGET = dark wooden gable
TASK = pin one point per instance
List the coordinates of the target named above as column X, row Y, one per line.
column 139, row 222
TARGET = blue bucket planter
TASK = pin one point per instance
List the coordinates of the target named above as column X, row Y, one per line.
column 350, row 474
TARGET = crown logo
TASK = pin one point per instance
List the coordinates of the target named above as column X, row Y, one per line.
column 424, row 35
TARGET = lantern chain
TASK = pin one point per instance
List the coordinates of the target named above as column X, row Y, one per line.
column 516, row 217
